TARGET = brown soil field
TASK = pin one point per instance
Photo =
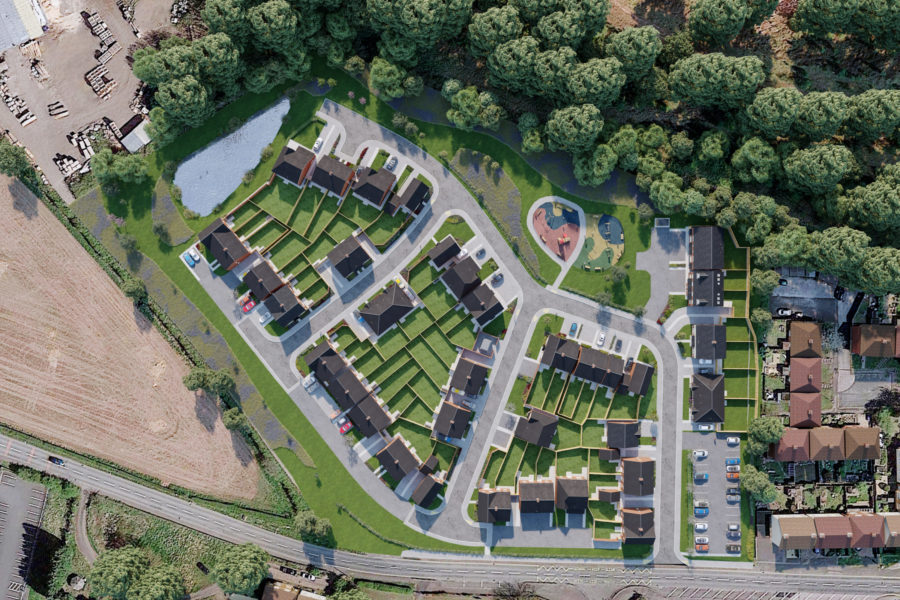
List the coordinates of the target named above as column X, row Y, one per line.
column 80, row 367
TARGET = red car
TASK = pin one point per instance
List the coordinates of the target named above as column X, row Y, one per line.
column 346, row 427
column 248, row 306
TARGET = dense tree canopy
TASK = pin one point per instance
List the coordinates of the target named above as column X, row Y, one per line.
column 116, row 571
column 574, row 129
column 774, row 111
column 821, row 114
column 240, row 569
column 493, row 27
column 716, row 80
column 636, row 49
column 158, row 583
column 876, row 205
column 755, row 162
column 718, row 21
column 819, row 169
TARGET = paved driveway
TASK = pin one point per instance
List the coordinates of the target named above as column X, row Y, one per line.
column 666, row 246
column 721, row 512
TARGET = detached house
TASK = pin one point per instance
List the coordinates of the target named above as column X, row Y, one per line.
column 262, row 280
column 223, row 244
column 386, row 309
column 494, row 506
column 294, row 163
column 332, row 176
column 372, row 186
column 537, row 428
column 397, row 459
column 413, row 197
column 445, row 250
column 707, row 398
column 349, row 257
column 284, row 306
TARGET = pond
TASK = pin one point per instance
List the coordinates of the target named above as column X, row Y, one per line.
column 208, row 176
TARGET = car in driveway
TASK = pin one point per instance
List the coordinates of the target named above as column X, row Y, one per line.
column 733, row 461
column 701, row 508
column 189, row 259
column 194, row 254
column 701, row 527
column 701, row 477
column 264, row 317
column 497, row 279
column 700, row 454
column 602, row 339
column 733, row 441
column 573, row 329
column 618, row 345
column 248, row 306
column 706, row 427
column 318, row 145
column 701, row 547
column 391, row 164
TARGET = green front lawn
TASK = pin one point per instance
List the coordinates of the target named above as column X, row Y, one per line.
column 457, row 227
column 380, row 159
column 547, row 325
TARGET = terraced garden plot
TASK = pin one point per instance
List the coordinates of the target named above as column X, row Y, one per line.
column 596, row 480
column 647, row 404
column 320, row 248
column 392, row 384
column 305, row 209
column 340, row 228
column 391, row 366
column 421, row 276
column 601, row 404
column 384, row 228
column 357, row 211
column 449, row 321
column 266, row 235
column 738, row 414
column 287, row 249
column 391, row 342
column 344, row 337
column 624, row 407
column 416, row 322
column 571, row 461
column 251, row 224
column 463, row 335
column 278, row 199
column 529, row 460
column 368, row 363
column 603, row 511
column 735, row 258
column 426, row 389
column 737, row 330
column 492, row 466
column 592, row 436
column 242, row 214
column 437, row 371
column 569, row 435
column 738, row 302
column 510, row 466
column 739, row 355
column 569, row 399
column 403, row 400
column 539, row 387
column 417, row 412
column 437, row 299
column 438, row 342
column 546, row 459
column 325, row 211
column 305, row 278
column 358, row 348
column 316, row 292
column 445, row 453
column 736, row 281
column 739, row 384
column 583, row 407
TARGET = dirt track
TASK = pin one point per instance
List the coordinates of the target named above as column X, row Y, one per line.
column 79, row 366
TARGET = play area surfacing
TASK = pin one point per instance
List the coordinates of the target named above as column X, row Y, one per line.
column 558, row 228
column 603, row 245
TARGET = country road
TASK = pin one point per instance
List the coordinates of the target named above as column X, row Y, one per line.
column 465, row 571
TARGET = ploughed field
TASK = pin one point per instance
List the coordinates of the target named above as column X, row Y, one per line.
column 80, row 367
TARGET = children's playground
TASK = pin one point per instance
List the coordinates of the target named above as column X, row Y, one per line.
column 558, row 227
column 603, row 245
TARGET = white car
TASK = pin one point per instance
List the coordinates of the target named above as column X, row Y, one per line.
column 602, row 339
column 264, row 317
column 698, row 454
column 318, row 145
column 706, row 427
column 391, row 164
column 700, row 539
column 733, row 441
column 733, row 469
column 194, row 254
column 700, row 527
column 783, row 312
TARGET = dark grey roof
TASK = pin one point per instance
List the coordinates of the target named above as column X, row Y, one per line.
column 494, row 506
column 537, row 428
column 332, row 174
column 536, row 497
column 462, row 277
column 224, row 244
column 372, row 185
column 396, row 459
column 412, row 198
column 637, row 379
column 707, row 248
column 708, row 398
column 560, row 354
column 368, row 416
column 623, row 434
column 608, row 494
column 262, row 280
column 709, row 342
column 572, row 494
column 346, row 389
column 599, row 367
column 608, row 454
column 349, row 256
column 706, row 288
column 638, row 476
column 446, row 249
column 482, row 304
column 452, row 420
column 615, row 368
column 386, row 309
column 291, row 162
column 324, row 362
column 637, row 526
column 427, row 490
column 284, row 306
column 469, row 377
column 430, row 464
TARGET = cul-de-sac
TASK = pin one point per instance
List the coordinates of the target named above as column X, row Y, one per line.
column 449, row 299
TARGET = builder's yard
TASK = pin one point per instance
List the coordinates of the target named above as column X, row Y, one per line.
column 82, row 368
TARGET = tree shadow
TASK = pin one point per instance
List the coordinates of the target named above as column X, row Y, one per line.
column 45, row 548
column 666, row 15
column 206, row 410
column 140, row 319
column 23, row 200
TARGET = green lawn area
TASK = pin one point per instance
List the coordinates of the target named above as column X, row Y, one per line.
column 380, row 159
column 391, row 342
column 738, row 414
column 416, row 322
column 686, row 408
column 739, row 384
column 278, row 199
column 308, row 135
column 735, row 258
column 359, row 212
column 499, row 325
column 736, row 281
column 487, row 268
column 687, row 502
column 287, row 249
column 403, row 176
column 517, row 396
column 592, row 436
column 569, row 435
column 624, row 407
column 738, row 302
column 739, row 355
column 422, row 276
column 266, row 235
column 737, row 330
column 546, row 325
column 457, row 227
column 463, row 335
column 437, row 299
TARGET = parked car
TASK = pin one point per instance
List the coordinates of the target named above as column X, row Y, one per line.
column 733, row 469
column 701, row 527
column 700, row 454
column 839, row 292
column 318, row 145
column 732, row 476
column 783, row 312
column 618, row 345
column 248, row 306
column 732, row 498
column 782, row 282
column 244, row 300
column 194, row 254
column 733, row 441
column 734, row 530
column 602, row 339
column 706, row 427
column 701, row 508
column 307, row 576
column 701, row 547
column 57, row 461
column 573, row 329
column 189, row 259
column 264, row 317
column 701, row 476
column 734, row 548
column 497, row 279
column 732, row 461
column 287, row 570
column 481, row 252
column 391, row 164
column 203, row 568
column 345, row 427
column 701, row 539
column 733, row 490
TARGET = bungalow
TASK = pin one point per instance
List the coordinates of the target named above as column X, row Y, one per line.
column 224, row 244
column 349, row 257
column 806, row 409
column 452, row 420
column 572, row 494
column 411, row 199
column 468, row 377
column 877, row 341
column 332, row 176
column 372, row 186
column 397, row 459
column 294, row 163
column 623, row 434
column 560, row 354
column 637, row 379
column 638, row 476
column 427, row 491
column 794, row 532
column 707, row 398
column 826, row 443
column 707, row 248
column 706, row 288
column 537, row 428
column 386, row 309
column 462, row 278
column 368, row 416
column 708, row 342
column 792, row 447
column 637, row 526
column 284, row 306
column 494, row 506
column 445, row 250
column 536, row 497
column 482, row 304
column 862, row 443
column 262, row 280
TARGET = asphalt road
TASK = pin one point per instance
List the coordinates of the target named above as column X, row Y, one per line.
column 460, row 572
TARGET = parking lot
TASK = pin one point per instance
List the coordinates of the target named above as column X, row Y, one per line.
column 21, row 509
column 713, row 490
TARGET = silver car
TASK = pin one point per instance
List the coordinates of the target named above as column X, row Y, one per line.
column 733, row 469
column 700, row 539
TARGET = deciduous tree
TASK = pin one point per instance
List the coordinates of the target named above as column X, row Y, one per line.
column 774, row 111
column 636, row 48
column 574, row 129
column 273, row 25
column 755, row 162
column 240, row 569
column 821, row 114
column 757, row 484
column 511, row 64
column 159, row 583
column 595, row 168
column 185, row 100
column 717, row 21
column 116, row 571
column 597, row 81
column 876, row 205
column 819, row 169
column 493, row 27
column 716, row 80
